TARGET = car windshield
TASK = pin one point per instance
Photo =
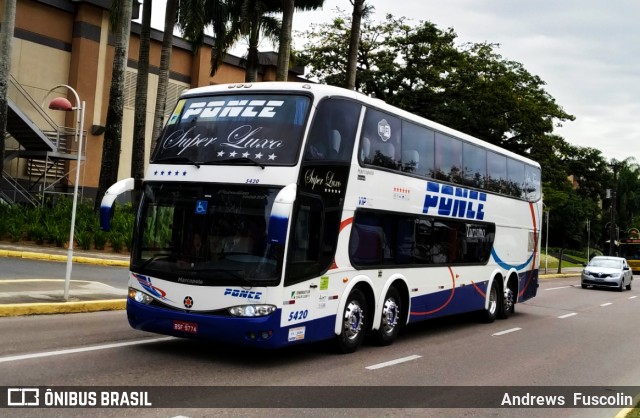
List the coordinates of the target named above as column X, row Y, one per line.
column 606, row 263
column 206, row 234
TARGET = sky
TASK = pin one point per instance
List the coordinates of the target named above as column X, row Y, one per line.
column 586, row 51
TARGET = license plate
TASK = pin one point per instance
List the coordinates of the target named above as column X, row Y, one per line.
column 184, row 326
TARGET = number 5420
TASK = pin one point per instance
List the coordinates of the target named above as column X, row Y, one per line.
column 297, row 315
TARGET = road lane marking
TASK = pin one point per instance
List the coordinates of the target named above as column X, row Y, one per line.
column 80, row 350
column 393, row 362
column 567, row 315
column 506, row 331
column 556, row 288
column 632, row 297
column 607, row 304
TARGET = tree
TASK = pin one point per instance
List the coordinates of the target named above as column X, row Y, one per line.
column 354, row 41
column 230, row 21
column 6, row 41
column 121, row 25
column 252, row 20
column 420, row 69
column 627, row 188
column 284, row 48
column 140, row 116
column 165, row 62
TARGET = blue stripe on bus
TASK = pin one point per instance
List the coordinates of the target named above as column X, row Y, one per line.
column 510, row 266
column 278, row 229
column 465, row 299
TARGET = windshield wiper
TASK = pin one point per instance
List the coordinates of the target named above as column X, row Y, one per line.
column 154, row 258
column 177, row 159
column 246, row 160
column 233, row 273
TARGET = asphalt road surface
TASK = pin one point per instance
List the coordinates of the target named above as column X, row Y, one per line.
column 565, row 340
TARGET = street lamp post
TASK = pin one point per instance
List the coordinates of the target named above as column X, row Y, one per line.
column 62, row 103
column 546, row 244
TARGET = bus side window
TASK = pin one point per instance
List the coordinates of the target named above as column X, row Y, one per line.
column 417, row 149
column 332, row 133
column 448, row 158
column 382, row 132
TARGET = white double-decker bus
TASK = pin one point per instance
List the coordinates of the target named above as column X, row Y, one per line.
column 281, row 213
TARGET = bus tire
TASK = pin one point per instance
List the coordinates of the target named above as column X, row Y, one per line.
column 354, row 326
column 390, row 322
column 491, row 311
column 508, row 304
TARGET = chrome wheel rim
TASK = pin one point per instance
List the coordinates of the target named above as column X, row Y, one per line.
column 493, row 300
column 353, row 320
column 389, row 316
column 508, row 300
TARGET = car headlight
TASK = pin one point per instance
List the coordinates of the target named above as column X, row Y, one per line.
column 252, row 310
column 139, row 296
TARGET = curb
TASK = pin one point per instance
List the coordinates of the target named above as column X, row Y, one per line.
column 558, row 276
column 63, row 258
column 20, row 309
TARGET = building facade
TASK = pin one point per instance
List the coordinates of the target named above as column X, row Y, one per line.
column 67, row 42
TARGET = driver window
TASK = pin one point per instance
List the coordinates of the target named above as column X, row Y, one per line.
column 333, row 131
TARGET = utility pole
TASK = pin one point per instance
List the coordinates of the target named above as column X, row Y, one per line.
column 612, row 225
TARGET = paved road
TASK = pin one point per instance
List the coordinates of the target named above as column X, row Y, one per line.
column 566, row 336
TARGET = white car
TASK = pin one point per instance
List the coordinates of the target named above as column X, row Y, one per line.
column 602, row 271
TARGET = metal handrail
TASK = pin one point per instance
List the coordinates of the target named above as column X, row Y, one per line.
column 19, row 189
column 18, row 92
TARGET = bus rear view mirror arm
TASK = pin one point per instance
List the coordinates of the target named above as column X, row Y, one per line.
column 106, row 206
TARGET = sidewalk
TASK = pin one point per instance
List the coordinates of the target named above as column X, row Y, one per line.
column 46, row 295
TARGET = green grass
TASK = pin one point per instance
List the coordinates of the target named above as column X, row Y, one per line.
column 552, row 262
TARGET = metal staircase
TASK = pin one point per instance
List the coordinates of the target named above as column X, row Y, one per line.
column 43, row 147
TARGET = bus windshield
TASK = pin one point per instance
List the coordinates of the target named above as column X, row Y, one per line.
column 207, row 234
column 264, row 129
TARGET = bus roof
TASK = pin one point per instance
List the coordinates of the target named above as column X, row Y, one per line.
column 324, row 90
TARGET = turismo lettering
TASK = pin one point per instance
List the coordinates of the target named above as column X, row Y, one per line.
column 454, row 201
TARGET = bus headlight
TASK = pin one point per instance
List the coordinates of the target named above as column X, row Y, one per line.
column 139, row 296
column 252, row 310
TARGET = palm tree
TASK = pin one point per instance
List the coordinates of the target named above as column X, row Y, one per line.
column 359, row 10
column 140, row 117
column 284, row 49
column 6, row 37
column 230, row 21
column 121, row 16
column 165, row 61
column 255, row 22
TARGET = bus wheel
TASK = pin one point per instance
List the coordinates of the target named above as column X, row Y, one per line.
column 390, row 322
column 490, row 313
column 508, row 305
column 353, row 323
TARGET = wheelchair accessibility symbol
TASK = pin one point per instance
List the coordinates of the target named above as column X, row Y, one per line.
column 201, row 207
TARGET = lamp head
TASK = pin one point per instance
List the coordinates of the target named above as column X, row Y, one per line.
column 61, row 103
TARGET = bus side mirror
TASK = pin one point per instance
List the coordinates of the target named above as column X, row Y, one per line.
column 106, row 206
column 280, row 215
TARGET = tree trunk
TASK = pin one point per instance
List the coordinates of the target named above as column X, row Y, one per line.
column 354, row 41
column 140, row 117
column 284, row 50
column 165, row 61
column 113, row 129
column 253, row 62
column 6, row 41
column 560, row 260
